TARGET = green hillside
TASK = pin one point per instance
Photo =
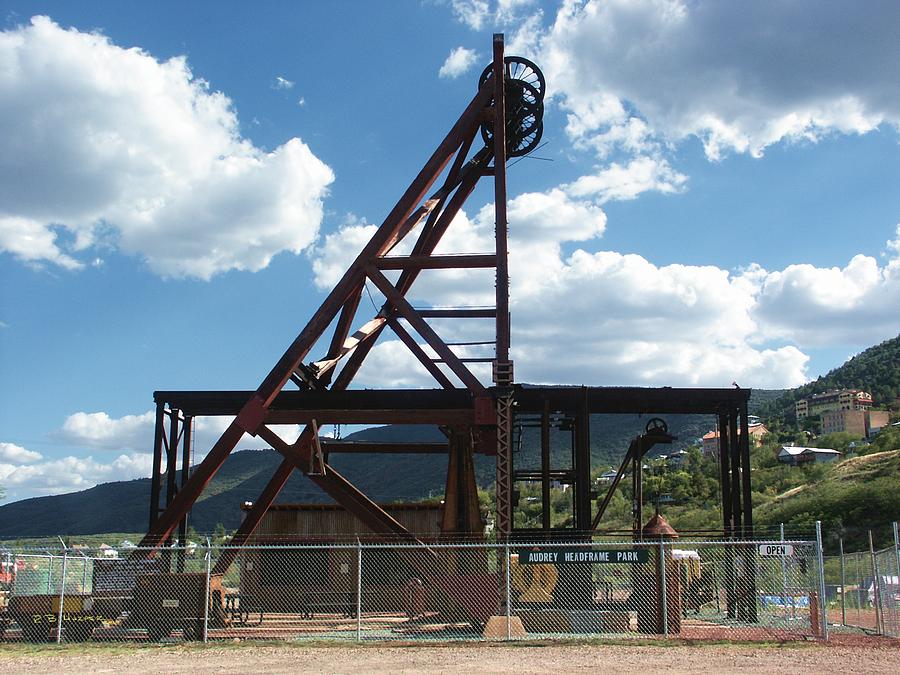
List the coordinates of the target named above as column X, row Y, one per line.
column 876, row 370
column 852, row 497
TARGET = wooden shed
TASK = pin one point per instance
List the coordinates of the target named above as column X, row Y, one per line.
column 303, row 559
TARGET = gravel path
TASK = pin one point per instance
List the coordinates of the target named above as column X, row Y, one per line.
column 883, row 657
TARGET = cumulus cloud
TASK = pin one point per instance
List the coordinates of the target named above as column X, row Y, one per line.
column 68, row 474
column 16, row 454
column 618, row 182
column 605, row 318
column 105, row 146
column 99, row 431
column 459, row 62
column 739, row 76
column 473, row 13
column 848, row 305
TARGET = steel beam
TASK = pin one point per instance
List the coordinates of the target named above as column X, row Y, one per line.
column 420, row 354
column 437, row 262
column 422, row 328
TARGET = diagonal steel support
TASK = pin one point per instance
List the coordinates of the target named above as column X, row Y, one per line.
column 407, row 311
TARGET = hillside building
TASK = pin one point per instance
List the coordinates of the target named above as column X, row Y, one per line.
column 860, row 423
column 795, row 454
column 835, row 399
column 710, row 439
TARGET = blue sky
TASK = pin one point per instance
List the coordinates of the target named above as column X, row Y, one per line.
column 180, row 184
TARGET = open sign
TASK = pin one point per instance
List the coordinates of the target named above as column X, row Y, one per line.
column 772, row 550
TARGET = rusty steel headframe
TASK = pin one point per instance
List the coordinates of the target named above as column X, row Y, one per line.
column 507, row 113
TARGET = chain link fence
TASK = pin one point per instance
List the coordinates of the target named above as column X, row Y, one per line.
column 706, row 590
column 864, row 588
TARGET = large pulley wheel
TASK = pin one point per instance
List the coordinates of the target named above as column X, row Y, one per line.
column 524, row 106
column 518, row 68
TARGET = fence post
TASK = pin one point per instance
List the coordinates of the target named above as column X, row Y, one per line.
column 822, row 605
column 663, row 589
column 206, row 591
column 897, row 550
column 508, row 594
column 358, row 590
column 784, row 577
column 843, row 585
column 62, row 598
column 876, row 588
column 858, row 596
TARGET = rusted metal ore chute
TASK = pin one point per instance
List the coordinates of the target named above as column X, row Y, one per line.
column 507, row 114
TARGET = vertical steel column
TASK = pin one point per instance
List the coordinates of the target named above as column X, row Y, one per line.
column 583, row 465
column 724, row 475
column 502, row 285
column 504, row 466
column 747, row 498
column 750, row 551
column 172, row 455
column 155, row 475
column 637, row 491
column 734, row 447
column 727, row 513
column 186, row 430
column 545, row 466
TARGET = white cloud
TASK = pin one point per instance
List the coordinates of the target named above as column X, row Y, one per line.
column 617, row 182
column 739, row 76
column 509, row 10
column 10, row 452
column 473, row 13
column 459, row 61
column 850, row 305
column 607, row 318
column 282, row 83
column 68, row 474
column 106, row 145
column 99, row 431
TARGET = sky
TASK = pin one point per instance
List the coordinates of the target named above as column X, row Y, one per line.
column 715, row 199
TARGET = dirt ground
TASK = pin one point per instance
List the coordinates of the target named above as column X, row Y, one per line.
column 881, row 656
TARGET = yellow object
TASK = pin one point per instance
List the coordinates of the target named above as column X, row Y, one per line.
column 535, row 583
column 71, row 603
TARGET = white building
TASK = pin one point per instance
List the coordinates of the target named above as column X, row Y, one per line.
column 795, row 454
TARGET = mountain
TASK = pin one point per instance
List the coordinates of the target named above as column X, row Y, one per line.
column 876, row 370
column 122, row 506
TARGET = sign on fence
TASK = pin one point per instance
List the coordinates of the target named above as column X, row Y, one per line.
column 564, row 556
column 773, row 550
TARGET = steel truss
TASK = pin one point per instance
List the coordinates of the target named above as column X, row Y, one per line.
column 477, row 419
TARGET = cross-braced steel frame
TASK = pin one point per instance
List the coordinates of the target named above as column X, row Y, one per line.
column 476, row 418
